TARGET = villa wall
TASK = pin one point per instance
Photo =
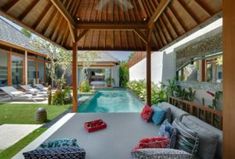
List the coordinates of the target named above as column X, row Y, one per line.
column 163, row 68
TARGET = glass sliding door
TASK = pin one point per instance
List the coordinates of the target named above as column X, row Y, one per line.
column 3, row 68
column 41, row 72
column 31, row 72
column 17, row 69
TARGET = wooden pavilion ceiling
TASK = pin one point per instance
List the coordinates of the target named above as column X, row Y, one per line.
column 63, row 21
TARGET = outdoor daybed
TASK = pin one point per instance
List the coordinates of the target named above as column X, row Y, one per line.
column 122, row 134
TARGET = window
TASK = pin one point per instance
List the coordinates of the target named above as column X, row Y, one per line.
column 17, row 69
column 41, row 72
column 214, row 69
column 31, row 72
column 3, row 67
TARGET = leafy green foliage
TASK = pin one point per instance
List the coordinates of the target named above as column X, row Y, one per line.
column 85, row 86
column 124, row 74
column 110, row 81
column 62, row 97
column 26, row 32
column 139, row 88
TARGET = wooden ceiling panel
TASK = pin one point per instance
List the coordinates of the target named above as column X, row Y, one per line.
column 112, row 27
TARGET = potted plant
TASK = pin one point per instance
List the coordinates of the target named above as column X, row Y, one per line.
column 109, row 82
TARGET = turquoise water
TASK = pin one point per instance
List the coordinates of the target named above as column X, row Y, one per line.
column 114, row 100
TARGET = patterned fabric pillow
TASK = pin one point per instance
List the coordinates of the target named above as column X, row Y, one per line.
column 160, row 154
column 56, row 153
column 167, row 130
column 60, row 143
column 154, row 142
column 158, row 115
column 146, row 113
column 188, row 140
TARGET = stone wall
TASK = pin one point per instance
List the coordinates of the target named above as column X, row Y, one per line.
column 207, row 44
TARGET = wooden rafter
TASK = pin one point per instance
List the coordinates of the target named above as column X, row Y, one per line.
column 112, row 26
column 67, row 16
column 28, row 9
column 140, row 35
column 9, row 5
column 81, row 35
column 162, row 6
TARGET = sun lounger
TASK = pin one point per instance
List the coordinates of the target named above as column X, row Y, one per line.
column 18, row 95
column 32, row 90
column 41, row 87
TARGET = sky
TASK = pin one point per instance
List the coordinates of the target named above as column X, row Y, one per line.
column 120, row 55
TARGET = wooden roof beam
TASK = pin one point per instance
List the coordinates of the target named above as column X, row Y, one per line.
column 71, row 23
column 160, row 8
column 81, row 35
column 141, row 35
column 9, row 5
column 112, row 26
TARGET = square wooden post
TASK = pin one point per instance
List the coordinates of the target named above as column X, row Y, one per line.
column 228, row 79
column 148, row 69
column 74, row 77
column 25, row 68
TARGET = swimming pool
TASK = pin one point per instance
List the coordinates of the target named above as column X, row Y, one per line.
column 112, row 100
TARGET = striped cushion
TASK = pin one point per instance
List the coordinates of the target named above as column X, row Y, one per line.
column 188, row 140
column 59, row 143
column 157, row 153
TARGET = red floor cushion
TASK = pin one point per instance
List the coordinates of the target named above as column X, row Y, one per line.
column 154, row 142
column 146, row 113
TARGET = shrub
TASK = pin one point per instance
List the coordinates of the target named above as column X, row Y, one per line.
column 85, row 86
column 124, row 74
column 62, row 97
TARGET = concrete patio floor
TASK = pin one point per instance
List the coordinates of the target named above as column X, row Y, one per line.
column 12, row 133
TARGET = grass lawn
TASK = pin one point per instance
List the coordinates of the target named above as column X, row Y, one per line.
column 25, row 113
column 13, row 150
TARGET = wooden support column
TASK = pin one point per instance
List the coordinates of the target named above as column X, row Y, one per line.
column 9, row 71
column 148, row 68
column 25, row 68
column 203, row 70
column 74, row 77
column 228, row 79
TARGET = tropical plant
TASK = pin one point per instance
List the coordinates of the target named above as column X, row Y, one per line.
column 62, row 97
column 110, row 81
column 171, row 87
column 85, row 86
column 124, row 74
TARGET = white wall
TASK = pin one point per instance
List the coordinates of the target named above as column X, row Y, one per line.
column 163, row 68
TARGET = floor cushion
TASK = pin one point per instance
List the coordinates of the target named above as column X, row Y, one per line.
column 56, row 153
column 188, row 140
column 60, row 143
column 160, row 154
column 158, row 115
column 154, row 142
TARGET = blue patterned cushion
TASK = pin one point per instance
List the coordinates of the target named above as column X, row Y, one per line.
column 188, row 140
column 158, row 115
column 59, row 143
column 156, row 153
column 167, row 130
column 56, row 153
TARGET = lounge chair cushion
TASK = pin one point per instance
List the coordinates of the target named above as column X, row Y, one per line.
column 60, row 143
column 167, row 130
column 154, row 142
column 208, row 140
column 56, row 153
column 157, row 153
column 188, row 140
column 158, row 115
column 146, row 113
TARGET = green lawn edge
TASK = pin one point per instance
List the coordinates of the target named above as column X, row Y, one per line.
column 14, row 149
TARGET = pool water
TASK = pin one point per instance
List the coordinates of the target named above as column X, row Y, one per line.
column 112, row 100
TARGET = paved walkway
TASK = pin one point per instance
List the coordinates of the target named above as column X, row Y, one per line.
column 12, row 133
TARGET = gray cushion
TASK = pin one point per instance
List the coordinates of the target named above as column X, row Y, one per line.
column 175, row 112
column 155, row 153
column 213, row 133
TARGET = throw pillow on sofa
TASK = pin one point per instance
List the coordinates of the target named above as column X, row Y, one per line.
column 59, row 143
column 167, row 130
column 188, row 140
column 158, row 115
column 156, row 153
column 208, row 140
column 146, row 113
